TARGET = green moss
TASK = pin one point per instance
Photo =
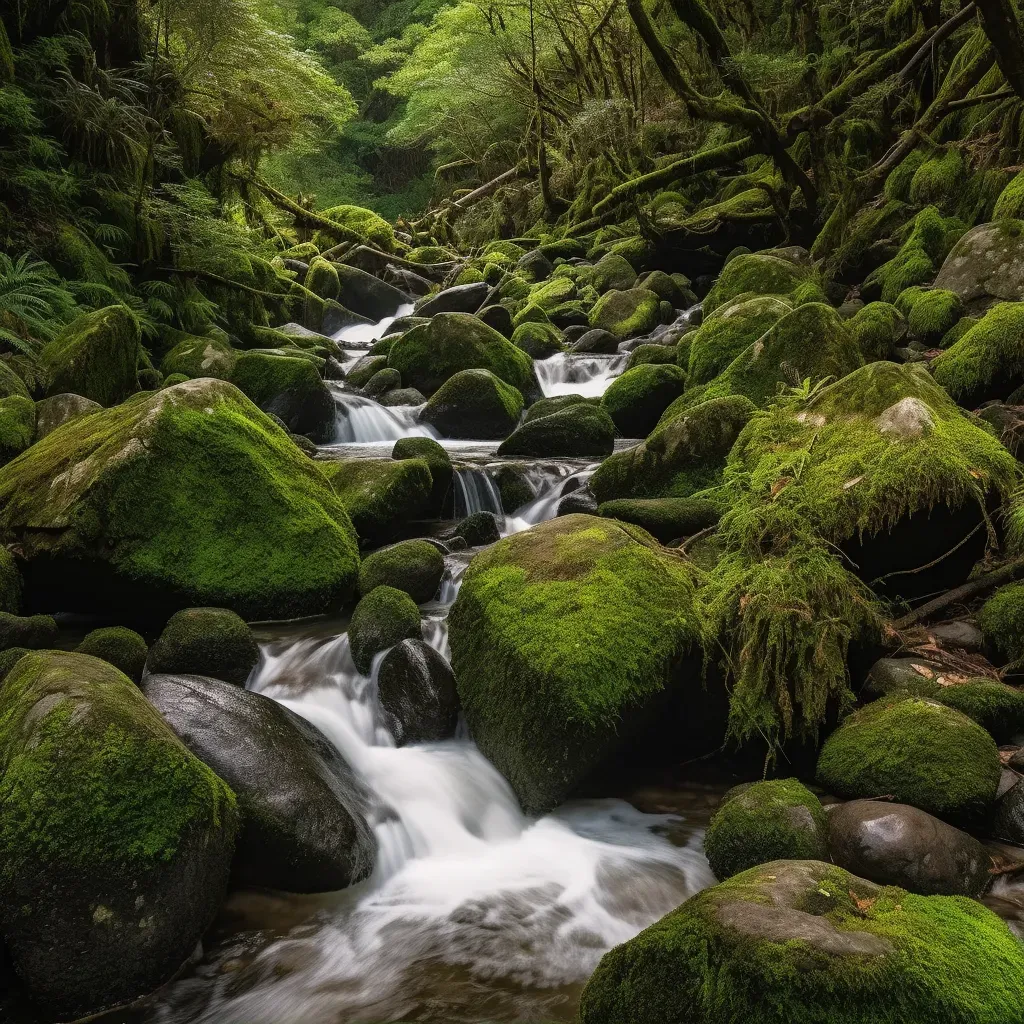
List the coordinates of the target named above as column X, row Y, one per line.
column 1002, row 621
column 156, row 480
column 206, row 642
column 728, row 332
column 510, row 250
column 876, row 328
column 612, row 272
column 322, row 279
column 958, row 330
column 779, row 819
column 381, row 494
column 539, row 341
column 546, row 406
column 173, row 379
column 32, row 631
column 263, row 377
column 627, row 314
column 917, row 751
column 103, row 781
column 558, row 633
column 427, row 254
column 118, row 646
column 438, row 461
column 762, row 273
column 10, row 383
column 553, row 292
column 428, row 355
column 841, row 950
column 907, row 299
column 934, row 314
column 988, row 361
column 366, row 369
column 644, row 355
column 10, row 658
column 200, row 357
column 10, row 583
column 531, row 313
column 383, row 618
column 383, row 381
column 897, row 184
column 996, row 707
column 577, row 430
column 686, row 455
column 412, row 566
column 17, row 426
column 1010, row 204
column 664, row 518
column 474, row 404
column 636, row 399
column 96, row 356
column 365, row 222
column 470, row 275
column 513, row 485
column 937, row 180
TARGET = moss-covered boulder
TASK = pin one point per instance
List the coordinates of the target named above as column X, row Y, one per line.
column 644, row 355
column 685, row 456
column 779, row 819
column 877, row 328
column 627, row 314
column 96, row 355
column 322, row 279
column 429, row 354
column 569, row 642
column 597, row 342
column 206, row 642
column 1002, row 621
column 988, row 361
column 546, row 406
column 803, row 942
column 996, row 707
column 675, row 293
column 118, row 646
column 382, row 618
column 31, row 631
column 439, row 462
column 10, row 658
column 920, row 256
column 664, row 518
column 380, row 495
column 917, row 751
column 578, row 430
column 934, row 314
column 374, row 228
column 413, row 566
column 764, row 273
column 987, row 263
column 539, row 341
column 11, row 383
column 116, row 841
column 382, row 382
column 10, row 583
column 147, row 489
column 367, row 295
column 290, row 388
column 613, row 273
column 636, row 400
column 200, row 357
column 17, row 426
column 474, row 404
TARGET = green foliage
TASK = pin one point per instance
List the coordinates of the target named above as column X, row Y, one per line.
column 33, row 303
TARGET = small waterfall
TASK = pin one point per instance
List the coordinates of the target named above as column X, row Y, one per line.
column 362, row 336
column 551, row 484
column 578, row 374
column 475, row 491
column 361, row 420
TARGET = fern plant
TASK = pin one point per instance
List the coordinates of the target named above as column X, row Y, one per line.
column 34, row 304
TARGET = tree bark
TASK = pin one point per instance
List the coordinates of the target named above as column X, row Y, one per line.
column 1004, row 33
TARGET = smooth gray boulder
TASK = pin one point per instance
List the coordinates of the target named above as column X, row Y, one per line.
column 367, row 295
column 463, row 298
column 57, row 410
column 987, row 263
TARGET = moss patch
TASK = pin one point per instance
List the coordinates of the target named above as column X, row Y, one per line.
column 539, row 341
column 1002, row 621
column 664, row 518
column 988, row 361
column 412, row 566
column 636, row 400
column 383, row 618
column 123, row 648
column 728, row 332
column 934, row 314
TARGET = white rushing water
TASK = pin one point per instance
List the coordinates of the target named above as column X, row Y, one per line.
column 550, row 486
column 364, row 335
column 576, row 374
column 475, row 491
column 361, row 420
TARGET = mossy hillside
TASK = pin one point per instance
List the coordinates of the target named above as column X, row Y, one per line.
column 577, row 430
column 17, row 426
column 636, row 399
column 934, row 314
column 474, row 404
column 664, row 518
column 383, row 618
column 96, row 356
column 123, row 648
column 1001, row 619
column 150, row 485
column 844, row 951
column 11, row 383
column 988, row 361
column 627, row 314
column 412, row 566
column 876, row 328
column 685, row 456
column 200, row 357
column 916, row 750
column 559, row 636
column 762, row 273
column 206, row 642
column 538, row 341
column 729, row 331
column 996, row 707
column 644, row 355
column 429, row 354
column 437, row 460
column 779, row 819
column 10, row 583
column 380, row 495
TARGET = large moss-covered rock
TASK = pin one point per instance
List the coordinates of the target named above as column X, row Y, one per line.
column 17, row 426
column 206, row 642
column 302, row 807
column 429, row 354
column 664, row 518
column 374, row 228
column 578, row 430
column 31, row 631
column 571, row 640
column 613, row 273
column 996, row 707
column 779, row 819
column 987, row 263
column 381, row 619
column 96, row 355
column 11, row 383
column 119, row 646
column 804, row 942
column 764, row 273
column 413, row 566
column 1002, row 621
column 115, row 841
column 474, row 404
column 146, row 494
column 917, row 751
column 539, row 341
column 988, row 361
column 291, row 389
column 626, row 313
column 636, row 400
column 380, row 495
column 439, row 462
column 686, row 455
column 877, row 328
column 200, row 357
column 933, row 314
column 322, row 279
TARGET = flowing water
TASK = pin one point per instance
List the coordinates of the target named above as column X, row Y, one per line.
column 571, row 373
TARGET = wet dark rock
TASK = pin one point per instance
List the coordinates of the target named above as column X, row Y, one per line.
column 402, row 396
column 574, row 333
column 477, row 530
column 337, row 318
column 367, row 295
column 499, row 318
column 298, row 268
column 417, row 693
column 536, row 265
column 407, row 280
column 904, row 675
column 206, row 642
column 598, row 342
column 896, row 844
column 579, row 501
column 333, row 370
column 463, row 298
column 31, row 631
column 1008, row 818
column 959, row 635
column 303, row 809
column 513, row 485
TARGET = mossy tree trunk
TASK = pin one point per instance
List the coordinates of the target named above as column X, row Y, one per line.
column 1004, row 32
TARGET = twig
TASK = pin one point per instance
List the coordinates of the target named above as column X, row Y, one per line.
column 972, row 588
